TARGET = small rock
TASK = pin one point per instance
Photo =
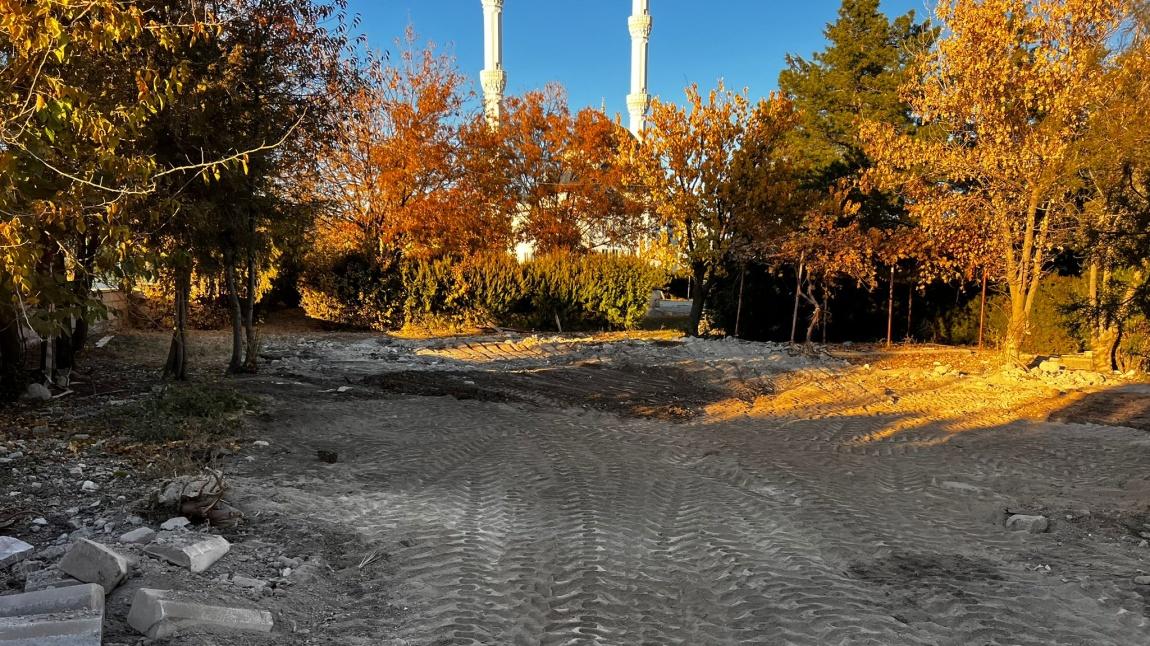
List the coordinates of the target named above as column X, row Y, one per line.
column 91, row 562
column 13, row 550
column 1050, row 366
column 89, row 486
column 249, row 583
column 51, row 553
column 164, row 613
column 197, row 552
column 138, row 536
column 177, row 523
column 1025, row 523
column 1142, row 580
column 40, row 521
column 261, row 443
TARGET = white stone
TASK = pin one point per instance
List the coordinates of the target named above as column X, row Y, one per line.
column 1142, row 580
column 164, row 613
column 13, row 550
column 171, row 524
column 91, row 562
column 72, row 616
column 138, row 536
column 197, row 552
column 1050, row 366
column 1025, row 523
column 88, row 485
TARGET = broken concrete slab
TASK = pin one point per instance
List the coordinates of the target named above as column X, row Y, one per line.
column 1025, row 523
column 47, row 579
column 164, row 613
column 92, row 562
column 138, row 536
column 13, row 550
column 194, row 551
column 72, row 616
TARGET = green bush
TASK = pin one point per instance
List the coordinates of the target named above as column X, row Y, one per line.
column 582, row 291
column 1051, row 330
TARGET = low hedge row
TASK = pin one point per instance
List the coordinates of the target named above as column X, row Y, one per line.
column 594, row 291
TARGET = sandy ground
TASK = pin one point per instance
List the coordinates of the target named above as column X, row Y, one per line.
column 607, row 490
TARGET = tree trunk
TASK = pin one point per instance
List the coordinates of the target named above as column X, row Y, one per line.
column 909, row 311
column 739, row 308
column 982, row 313
column 816, row 315
column 698, row 298
column 176, row 366
column 826, row 314
column 1016, row 326
column 235, row 364
column 251, row 352
column 798, row 293
column 11, row 354
column 890, row 310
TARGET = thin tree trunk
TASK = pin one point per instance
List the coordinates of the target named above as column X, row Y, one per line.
column 235, row 364
column 176, row 366
column 798, row 292
column 982, row 313
column 909, row 311
column 11, row 353
column 251, row 353
column 890, row 310
column 826, row 313
column 739, row 308
column 699, row 299
column 816, row 315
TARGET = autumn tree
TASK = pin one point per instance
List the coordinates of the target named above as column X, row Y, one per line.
column 1115, row 209
column 74, row 104
column 565, row 174
column 393, row 173
column 691, row 157
column 1008, row 90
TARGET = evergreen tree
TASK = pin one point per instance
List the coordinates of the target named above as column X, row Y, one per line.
column 857, row 77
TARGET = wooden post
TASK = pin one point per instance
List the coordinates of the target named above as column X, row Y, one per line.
column 739, row 308
column 798, row 290
column 890, row 310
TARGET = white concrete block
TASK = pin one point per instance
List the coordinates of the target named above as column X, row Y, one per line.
column 164, row 613
column 194, row 551
column 92, row 562
column 13, row 550
column 71, row 616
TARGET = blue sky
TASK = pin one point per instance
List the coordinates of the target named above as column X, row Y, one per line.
column 584, row 44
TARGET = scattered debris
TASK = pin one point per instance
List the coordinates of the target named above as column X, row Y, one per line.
column 92, row 562
column 165, row 613
column 72, row 616
column 13, row 550
column 1025, row 523
column 47, row 579
column 1050, row 366
column 197, row 552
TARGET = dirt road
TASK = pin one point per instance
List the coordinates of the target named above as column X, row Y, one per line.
column 515, row 491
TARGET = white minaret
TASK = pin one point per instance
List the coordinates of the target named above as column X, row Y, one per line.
column 492, row 78
column 639, row 24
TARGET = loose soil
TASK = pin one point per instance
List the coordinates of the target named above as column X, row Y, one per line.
column 515, row 489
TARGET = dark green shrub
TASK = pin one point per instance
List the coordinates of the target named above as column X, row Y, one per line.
column 582, row 291
column 1051, row 329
